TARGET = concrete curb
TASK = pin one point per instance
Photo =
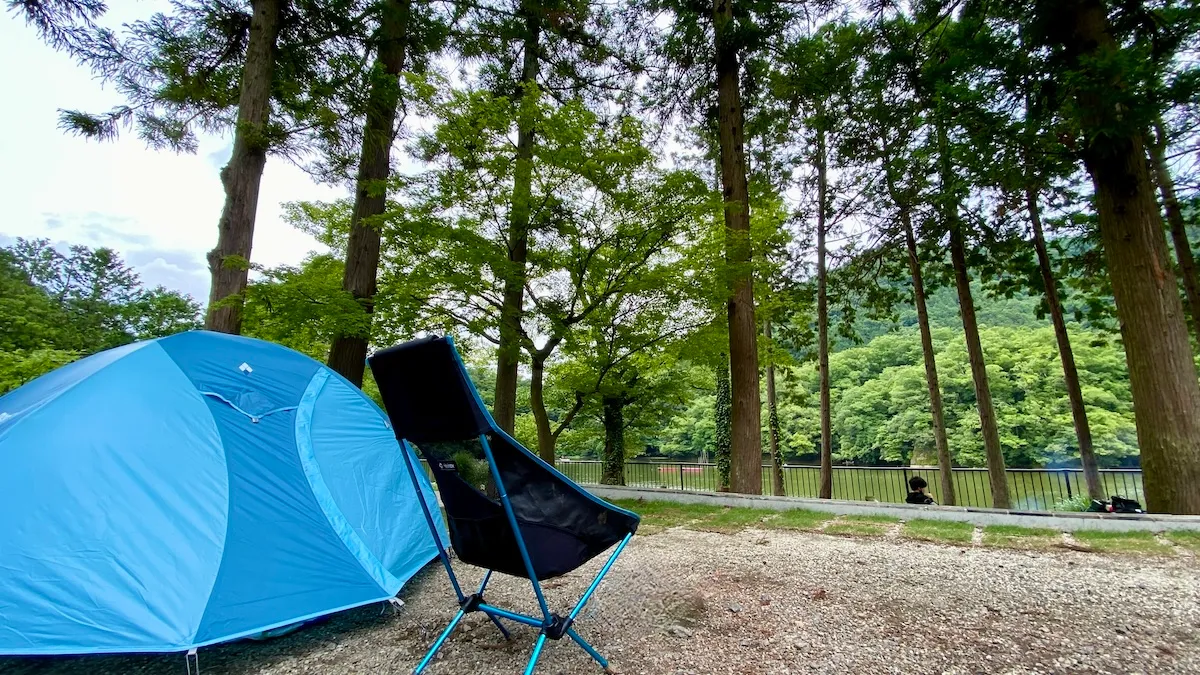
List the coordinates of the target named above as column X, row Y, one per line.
column 1061, row 521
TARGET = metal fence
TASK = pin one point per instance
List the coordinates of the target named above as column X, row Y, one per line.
column 1030, row 489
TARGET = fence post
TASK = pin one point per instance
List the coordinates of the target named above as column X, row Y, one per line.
column 681, row 487
column 1067, row 475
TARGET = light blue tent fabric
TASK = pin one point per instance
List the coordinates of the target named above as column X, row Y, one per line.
column 194, row 489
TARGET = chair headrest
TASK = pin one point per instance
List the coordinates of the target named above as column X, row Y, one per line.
column 427, row 392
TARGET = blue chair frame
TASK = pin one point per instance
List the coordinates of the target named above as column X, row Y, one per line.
column 550, row 625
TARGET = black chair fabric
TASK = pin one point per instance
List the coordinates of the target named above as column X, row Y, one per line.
column 427, row 394
column 432, row 403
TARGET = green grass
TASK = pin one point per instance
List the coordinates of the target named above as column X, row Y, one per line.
column 798, row 519
column 729, row 520
column 1024, row 538
column 1141, row 543
column 1184, row 538
column 862, row 526
column 939, row 530
column 659, row 516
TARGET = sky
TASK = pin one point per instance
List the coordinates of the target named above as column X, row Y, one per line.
column 158, row 209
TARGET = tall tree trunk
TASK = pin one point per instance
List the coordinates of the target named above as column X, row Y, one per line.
column 537, row 403
column 777, row 486
column 826, row 488
column 1162, row 375
column 508, row 355
column 945, row 467
column 1083, row 432
column 229, row 262
column 723, row 426
column 983, row 393
column 614, row 441
column 348, row 353
column 1183, row 248
column 746, row 466
column 997, row 474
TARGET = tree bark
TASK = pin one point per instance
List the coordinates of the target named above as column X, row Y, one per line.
column 547, row 435
column 537, row 405
column 746, row 451
column 723, row 426
column 229, row 262
column 1162, row 375
column 509, row 352
column 997, row 474
column 945, row 466
column 1183, row 248
column 1083, row 432
column 777, row 486
column 348, row 353
column 826, row 487
column 614, row 441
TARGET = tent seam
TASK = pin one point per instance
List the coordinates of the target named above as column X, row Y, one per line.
column 374, row 568
column 228, row 502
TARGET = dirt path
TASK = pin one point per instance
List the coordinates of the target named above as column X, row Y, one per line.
column 770, row 602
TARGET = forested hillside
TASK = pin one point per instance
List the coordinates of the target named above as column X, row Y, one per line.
column 881, row 406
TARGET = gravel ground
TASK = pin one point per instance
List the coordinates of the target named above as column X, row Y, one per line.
column 768, row 602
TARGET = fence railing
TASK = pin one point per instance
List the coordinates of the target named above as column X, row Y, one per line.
column 1028, row 489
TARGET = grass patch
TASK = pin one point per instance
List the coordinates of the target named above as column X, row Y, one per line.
column 729, row 520
column 1024, row 538
column 946, row 531
column 1185, row 538
column 862, row 526
column 659, row 516
column 799, row 519
column 1142, row 543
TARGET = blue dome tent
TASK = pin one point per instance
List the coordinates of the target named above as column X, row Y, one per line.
column 194, row 489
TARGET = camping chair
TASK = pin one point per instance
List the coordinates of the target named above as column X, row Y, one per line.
column 507, row 510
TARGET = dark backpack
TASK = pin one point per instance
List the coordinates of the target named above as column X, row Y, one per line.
column 1117, row 505
column 1120, row 505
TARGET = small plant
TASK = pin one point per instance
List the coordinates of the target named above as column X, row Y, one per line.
column 1076, row 503
column 471, row 469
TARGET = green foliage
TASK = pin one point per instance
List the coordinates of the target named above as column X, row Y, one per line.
column 1076, row 503
column 881, row 407
column 20, row 366
column 56, row 307
column 302, row 307
column 472, row 469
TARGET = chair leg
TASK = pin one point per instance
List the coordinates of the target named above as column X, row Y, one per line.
column 588, row 648
column 503, row 630
column 537, row 652
column 440, row 641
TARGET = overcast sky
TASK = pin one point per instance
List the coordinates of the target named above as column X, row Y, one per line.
column 157, row 208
